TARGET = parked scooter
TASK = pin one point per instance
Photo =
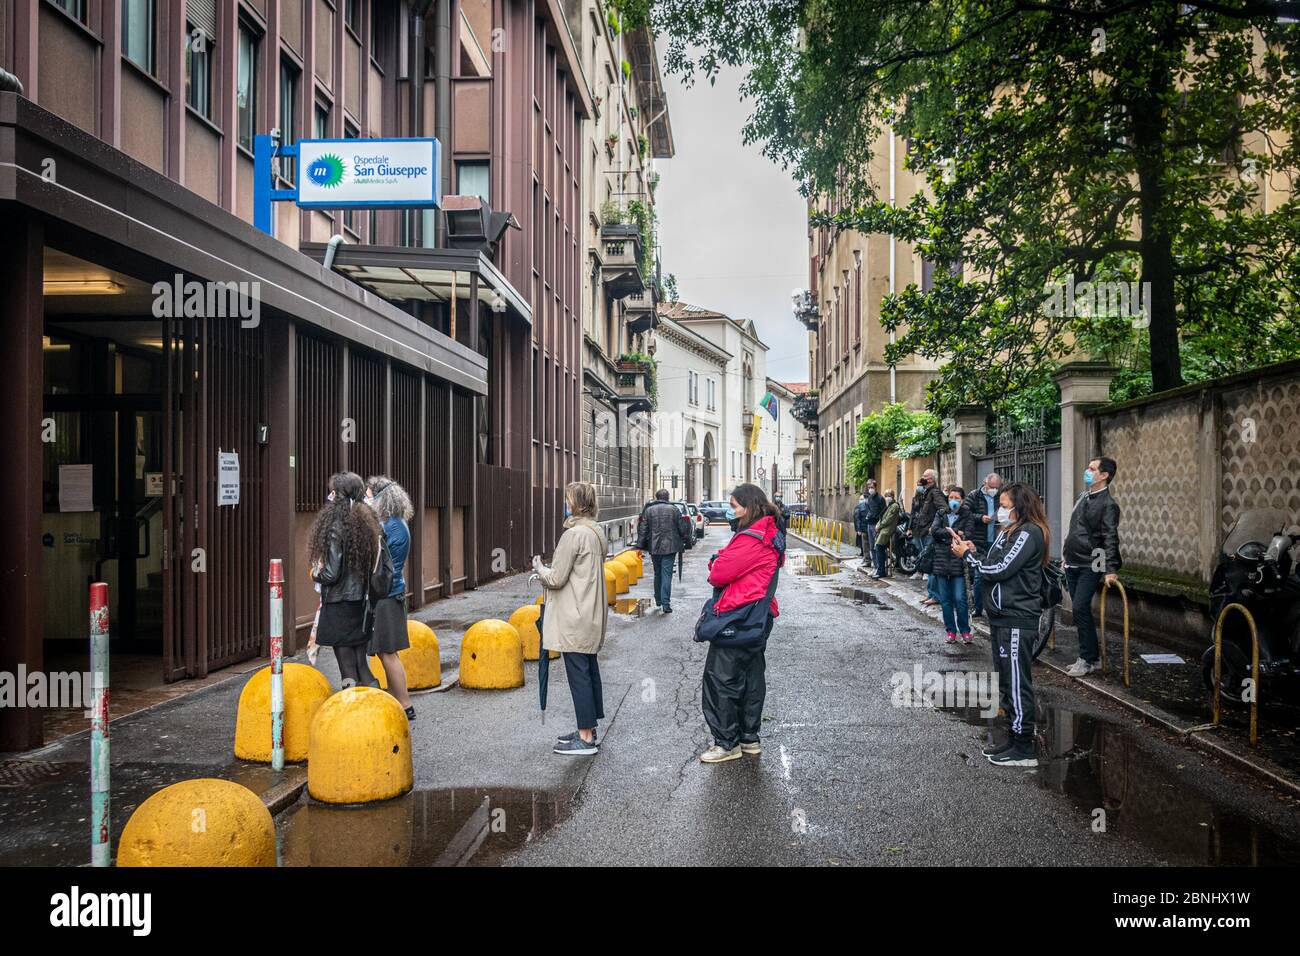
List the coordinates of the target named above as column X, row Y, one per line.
column 1258, row 570
column 907, row 553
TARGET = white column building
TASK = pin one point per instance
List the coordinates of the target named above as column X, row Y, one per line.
column 689, row 422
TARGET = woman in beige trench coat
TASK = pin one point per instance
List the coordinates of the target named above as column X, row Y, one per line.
column 574, row 622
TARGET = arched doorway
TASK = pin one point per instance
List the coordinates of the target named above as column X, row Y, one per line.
column 710, row 467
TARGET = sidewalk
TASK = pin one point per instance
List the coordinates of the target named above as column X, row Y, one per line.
column 1170, row 695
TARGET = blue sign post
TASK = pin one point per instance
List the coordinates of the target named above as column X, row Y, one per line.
column 348, row 173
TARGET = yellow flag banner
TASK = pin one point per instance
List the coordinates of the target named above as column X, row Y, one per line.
column 753, row 435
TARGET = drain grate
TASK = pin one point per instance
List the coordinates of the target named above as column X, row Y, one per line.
column 16, row 774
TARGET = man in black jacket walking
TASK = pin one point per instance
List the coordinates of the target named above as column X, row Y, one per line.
column 1091, row 556
column 660, row 532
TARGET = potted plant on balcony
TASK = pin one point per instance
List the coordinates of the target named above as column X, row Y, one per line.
column 627, row 70
column 611, row 21
column 639, row 362
column 611, row 144
column 612, row 214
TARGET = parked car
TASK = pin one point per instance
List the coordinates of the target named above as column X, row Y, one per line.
column 697, row 516
column 715, row 510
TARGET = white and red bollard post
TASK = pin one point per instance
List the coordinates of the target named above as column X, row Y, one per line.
column 100, row 839
column 275, row 578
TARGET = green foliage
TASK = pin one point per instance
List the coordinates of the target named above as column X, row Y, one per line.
column 642, row 145
column 627, row 70
column 908, row 434
column 612, row 214
column 670, row 288
column 1099, row 141
column 611, row 17
column 646, row 219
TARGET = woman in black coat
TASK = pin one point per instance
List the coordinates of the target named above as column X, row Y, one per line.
column 949, row 571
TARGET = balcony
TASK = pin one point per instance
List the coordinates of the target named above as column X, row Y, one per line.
column 635, row 384
column 804, row 410
column 620, row 269
column 805, row 310
column 640, row 311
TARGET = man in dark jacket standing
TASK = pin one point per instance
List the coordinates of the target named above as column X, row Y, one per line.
column 983, row 504
column 1091, row 556
column 874, row 507
column 660, row 533
column 928, row 502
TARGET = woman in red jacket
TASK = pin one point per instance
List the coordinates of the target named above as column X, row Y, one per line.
column 734, row 681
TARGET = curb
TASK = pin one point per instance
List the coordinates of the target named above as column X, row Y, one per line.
column 285, row 794
column 1270, row 772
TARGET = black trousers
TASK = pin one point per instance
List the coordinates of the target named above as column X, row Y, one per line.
column 584, row 684
column 1015, row 662
column 735, row 685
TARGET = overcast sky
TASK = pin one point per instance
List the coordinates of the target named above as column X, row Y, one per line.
column 732, row 225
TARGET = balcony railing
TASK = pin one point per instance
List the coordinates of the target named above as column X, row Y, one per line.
column 633, row 385
column 621, row 265
column 804, row 410
column 640, row 310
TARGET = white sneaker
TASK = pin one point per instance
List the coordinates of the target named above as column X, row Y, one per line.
column 1080, row 668
column 716, row 754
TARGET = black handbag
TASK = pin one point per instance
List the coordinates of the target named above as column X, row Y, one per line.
column 741, row 626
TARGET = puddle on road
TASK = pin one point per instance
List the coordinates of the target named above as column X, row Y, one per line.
column 859, row 596
column 1098, row 764
column 436, row 827
column 817, row 565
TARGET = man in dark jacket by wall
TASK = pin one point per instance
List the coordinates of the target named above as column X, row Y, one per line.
column 1091, row 556
column 983, row 504
column 928, row 502
column 660, row 533
column 874, row 507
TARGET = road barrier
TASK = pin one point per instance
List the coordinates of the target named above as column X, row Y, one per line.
column 303, row 690
column 524, row 620
column 1254, row 668
column 1124, row 597
column 492, row 656
column 275, row 578
column 420, row 660
column 611, row 587
column 622, row 580
column 101, row 840
column 360, row 748
column 204, row 822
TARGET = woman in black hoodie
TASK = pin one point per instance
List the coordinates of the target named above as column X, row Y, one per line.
column 1011, row 575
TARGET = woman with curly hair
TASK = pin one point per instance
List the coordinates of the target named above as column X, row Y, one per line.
column 341, row 549
column 388, row 617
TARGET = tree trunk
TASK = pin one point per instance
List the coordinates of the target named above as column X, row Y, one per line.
column 1149, row 128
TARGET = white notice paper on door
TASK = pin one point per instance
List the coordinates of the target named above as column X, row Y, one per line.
column 76, row 487
column 227, row 478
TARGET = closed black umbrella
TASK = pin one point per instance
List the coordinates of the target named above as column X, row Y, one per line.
column 543, row 666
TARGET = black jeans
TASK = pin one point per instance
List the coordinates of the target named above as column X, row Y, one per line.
column 1083, row 584
column 735, row 685
column 664, row 564
column 584, row 685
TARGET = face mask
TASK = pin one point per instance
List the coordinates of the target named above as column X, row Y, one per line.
column 954, row 505
column 1088, row 477
column 1004, row 516
column 567, row 512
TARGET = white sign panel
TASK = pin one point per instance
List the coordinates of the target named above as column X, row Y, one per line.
column 227, row 478
column 76, row 487
column 368, row 172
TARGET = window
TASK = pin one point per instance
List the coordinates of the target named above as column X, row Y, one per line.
column 692, row 387
column 246, row 87
column 350, row 214
column 321, row 122
column 472, row 179
column 198, row 70
column 73, row 8
column 138, row 33
column 352, row 15
column 380, row 38
column 288, row 116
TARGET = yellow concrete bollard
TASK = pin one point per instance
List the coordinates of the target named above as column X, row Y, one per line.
column 611, row 588
column 360, row 748
column 629, row 561
column 491, row 656
column 622, row 580
column 524, row 621
column 421, row 660
column 205, row 822
column 305, row 689
column 541, row 598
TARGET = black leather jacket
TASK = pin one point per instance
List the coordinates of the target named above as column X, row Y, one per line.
column 1011, row 575
column 660, row 531
column 1094, row 524
column 340, row 582
column 927, row 504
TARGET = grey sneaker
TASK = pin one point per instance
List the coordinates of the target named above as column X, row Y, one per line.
column 577, row 747
column 1080, row 668
column 1019, row 754
column 751, row 747
column 574, row 735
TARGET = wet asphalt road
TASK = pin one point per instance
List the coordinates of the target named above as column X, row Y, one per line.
column 846, row 777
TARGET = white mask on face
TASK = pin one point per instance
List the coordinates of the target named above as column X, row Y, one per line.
column 1004, row 516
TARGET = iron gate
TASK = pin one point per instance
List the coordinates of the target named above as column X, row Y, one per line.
column 1020, row 453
